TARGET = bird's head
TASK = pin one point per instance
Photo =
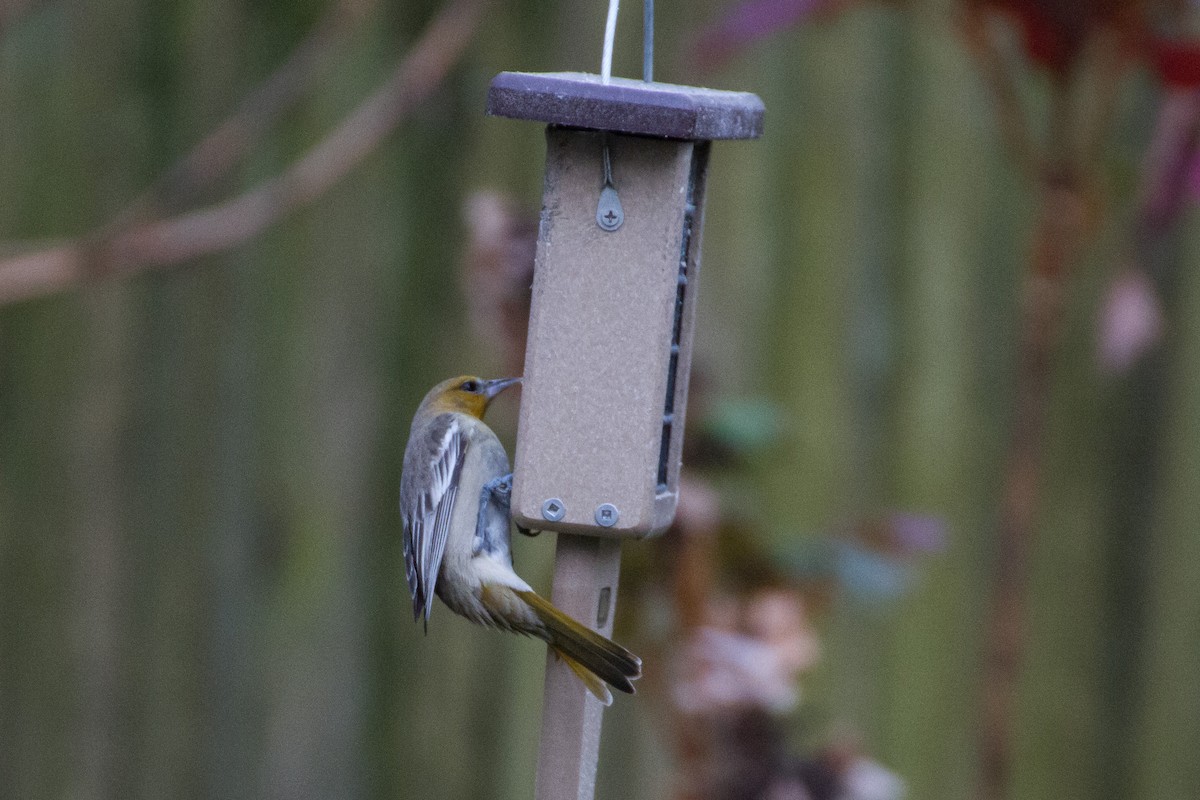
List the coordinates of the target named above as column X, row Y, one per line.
column 466, row 394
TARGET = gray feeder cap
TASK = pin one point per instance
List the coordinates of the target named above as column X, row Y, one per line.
column 581, row 100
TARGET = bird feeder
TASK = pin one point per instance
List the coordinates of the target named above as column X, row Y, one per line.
column 609, row 349
column 614, row 292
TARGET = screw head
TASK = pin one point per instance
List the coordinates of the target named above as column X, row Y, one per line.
column 607, row 515
column 554, row 509
column 609, row 214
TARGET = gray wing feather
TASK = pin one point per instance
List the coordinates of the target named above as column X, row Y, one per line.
column 427, row 510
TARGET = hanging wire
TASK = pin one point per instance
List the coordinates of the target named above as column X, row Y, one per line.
column 610, row 33
column 648, row 41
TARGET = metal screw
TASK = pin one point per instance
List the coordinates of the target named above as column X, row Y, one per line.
column 554, row 509
column 607, row 515
column 609, row 214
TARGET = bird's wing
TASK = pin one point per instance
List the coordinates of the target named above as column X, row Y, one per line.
column 427, row 510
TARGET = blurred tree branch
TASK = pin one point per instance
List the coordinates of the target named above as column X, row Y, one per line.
column 998, row 79
column 132, row 247
column 1062, row 166
column 219, row 152
column 1058, row 240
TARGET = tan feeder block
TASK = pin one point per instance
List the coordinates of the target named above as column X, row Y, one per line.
column 610, row 344
column 614, row 288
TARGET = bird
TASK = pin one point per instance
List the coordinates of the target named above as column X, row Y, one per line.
column 455, row 494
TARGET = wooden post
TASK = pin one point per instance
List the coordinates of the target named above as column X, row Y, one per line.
column 585, row 586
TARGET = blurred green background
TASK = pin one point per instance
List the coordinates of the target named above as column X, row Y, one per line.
column 201, row 584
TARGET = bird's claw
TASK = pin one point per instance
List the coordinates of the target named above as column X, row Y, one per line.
column 499, row 489
column 500, row 486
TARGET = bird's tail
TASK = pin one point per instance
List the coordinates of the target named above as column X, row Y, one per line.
column 596, row 659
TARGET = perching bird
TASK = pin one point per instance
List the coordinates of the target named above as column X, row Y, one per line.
column 454, row 498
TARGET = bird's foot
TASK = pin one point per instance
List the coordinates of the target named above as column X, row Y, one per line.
column 499, row 487
column 499, row 490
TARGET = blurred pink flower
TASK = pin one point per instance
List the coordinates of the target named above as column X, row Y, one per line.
column 758, row 667
column 865, row 779
column 733, row 670
column 777, row 617
column 789, row 787
column 1171, row 169
column 1193, row 176
column 1131, row 321
column 911, row 534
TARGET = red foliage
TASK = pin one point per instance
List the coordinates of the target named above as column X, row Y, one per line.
column 1176, row 62
column 1055, row 31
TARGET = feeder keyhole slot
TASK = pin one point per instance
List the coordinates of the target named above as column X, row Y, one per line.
column 602, row 608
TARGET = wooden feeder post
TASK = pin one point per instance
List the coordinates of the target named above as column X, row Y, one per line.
column 609, row 348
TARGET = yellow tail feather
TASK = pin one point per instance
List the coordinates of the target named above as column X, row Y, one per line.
column 594, row 685
column 590, row 655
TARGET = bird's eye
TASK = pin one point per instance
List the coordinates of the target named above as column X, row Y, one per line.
column 470, row 386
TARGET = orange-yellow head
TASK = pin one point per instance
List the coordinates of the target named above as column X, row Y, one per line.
column 466, row 394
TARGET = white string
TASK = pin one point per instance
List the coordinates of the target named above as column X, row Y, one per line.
column 610, row 33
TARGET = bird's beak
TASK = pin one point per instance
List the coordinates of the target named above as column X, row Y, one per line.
column 495, row 387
